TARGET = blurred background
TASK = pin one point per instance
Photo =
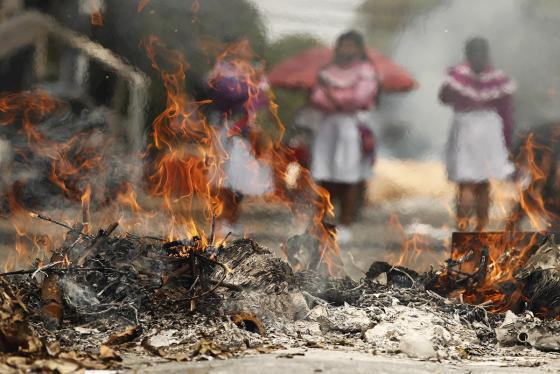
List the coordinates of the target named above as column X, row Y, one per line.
column 105, row 66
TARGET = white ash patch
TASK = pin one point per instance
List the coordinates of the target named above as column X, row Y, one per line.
column 448, row 336
column 344, row 318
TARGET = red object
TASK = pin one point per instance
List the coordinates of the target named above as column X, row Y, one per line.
column 301, row 154
column 300, row 71
column 368, row 140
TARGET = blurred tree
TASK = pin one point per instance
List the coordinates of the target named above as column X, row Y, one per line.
column 289, row 101
column 382, row 20
column 198, row 28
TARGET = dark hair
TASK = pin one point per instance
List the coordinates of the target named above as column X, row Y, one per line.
column 355, row 37
column 476, row 42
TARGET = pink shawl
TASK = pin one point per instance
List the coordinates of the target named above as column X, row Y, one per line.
column 492, row 89
column 345, row 88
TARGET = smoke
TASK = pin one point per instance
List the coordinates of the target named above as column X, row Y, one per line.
column 522, row 44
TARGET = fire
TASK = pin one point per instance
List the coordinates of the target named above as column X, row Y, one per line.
column 184, row 163
column 128, row 197
column 416, row 252
column 271, row 150
column 531, row 200
column 95, row 9
column 97, row 18
column 189, row 155
column 72, row 162
column 509, row 251
column 186, row 166
column 86, row 199
column 142, row 4
column 506, row 254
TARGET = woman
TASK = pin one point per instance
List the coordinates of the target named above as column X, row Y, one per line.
column 477, row 150
column 240, row 95
column 342, row 149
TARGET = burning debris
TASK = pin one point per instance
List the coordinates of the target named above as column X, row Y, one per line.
column 153, row 281
column 186, row 300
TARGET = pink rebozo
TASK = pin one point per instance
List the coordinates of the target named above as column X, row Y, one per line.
column 347, row 88
column 466, row 91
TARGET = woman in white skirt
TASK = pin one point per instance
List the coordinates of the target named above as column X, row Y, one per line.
column 343, row 145
column 477, row 149
column 240, row 93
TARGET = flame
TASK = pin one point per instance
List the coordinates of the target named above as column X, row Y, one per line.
column 416, row 251
column 507, row 253
column 531, row 200
column 185, row 157
column 128, row 197
column 70, row 160
column 189, row 154
column 86, row 199
column 142, row 4
column 270, row 149
column 187, row 164
column 97, row 18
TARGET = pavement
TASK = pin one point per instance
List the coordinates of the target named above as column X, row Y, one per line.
column 331, row 362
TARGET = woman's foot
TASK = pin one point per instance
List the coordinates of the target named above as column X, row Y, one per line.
column 343, row 234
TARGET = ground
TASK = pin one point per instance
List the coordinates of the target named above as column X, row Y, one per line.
column 399, row 191
column 329, row 362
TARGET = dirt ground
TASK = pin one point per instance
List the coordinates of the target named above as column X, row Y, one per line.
column 414, row 194
column 403, row 198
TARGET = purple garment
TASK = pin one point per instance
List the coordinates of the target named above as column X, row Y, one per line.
column 466, row 91
column 231, row 91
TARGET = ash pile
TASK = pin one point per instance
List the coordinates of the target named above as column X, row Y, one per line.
column 111, row 295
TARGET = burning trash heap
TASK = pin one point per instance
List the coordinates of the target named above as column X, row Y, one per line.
column 157, row 278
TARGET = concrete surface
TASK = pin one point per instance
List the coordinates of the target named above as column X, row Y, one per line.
column 331, row 362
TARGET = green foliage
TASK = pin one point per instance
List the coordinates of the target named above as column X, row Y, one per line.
column 200, row 30
column 289, row 45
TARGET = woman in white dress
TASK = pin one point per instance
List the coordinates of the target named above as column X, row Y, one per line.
column 343, row 146
column 240, row 92
column 477, row 149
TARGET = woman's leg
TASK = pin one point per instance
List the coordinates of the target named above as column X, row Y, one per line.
column 482, row 205
column 350, row 198
column 465, row 204
column 333, row 189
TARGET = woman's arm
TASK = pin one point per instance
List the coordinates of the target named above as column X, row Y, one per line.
column 504, row 107
column 322, row 96
column 447, row 95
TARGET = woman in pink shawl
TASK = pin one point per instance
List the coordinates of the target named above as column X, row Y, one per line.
column 343, row 146
column 477, row 150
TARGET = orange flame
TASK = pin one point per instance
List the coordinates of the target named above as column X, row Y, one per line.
column 187, row 161
column 185, row 157
column 270, row 149
column 86, row 198
column 97, row 18
column 142, row 4
column 416, row 251
column 531, row 199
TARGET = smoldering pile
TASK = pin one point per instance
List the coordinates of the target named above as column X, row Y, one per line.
column 107, row 294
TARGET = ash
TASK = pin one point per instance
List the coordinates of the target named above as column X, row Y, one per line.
column 147, row 305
